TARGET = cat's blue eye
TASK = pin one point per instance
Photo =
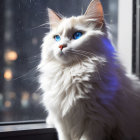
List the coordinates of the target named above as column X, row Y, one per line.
column 57, row 37
column 77, row 35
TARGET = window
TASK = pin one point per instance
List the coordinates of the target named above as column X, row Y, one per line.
column 22, row 27
column 21, row 32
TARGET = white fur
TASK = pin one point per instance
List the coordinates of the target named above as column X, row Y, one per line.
column 85, row 89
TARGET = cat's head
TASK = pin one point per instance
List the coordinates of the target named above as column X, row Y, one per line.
column 73, row 39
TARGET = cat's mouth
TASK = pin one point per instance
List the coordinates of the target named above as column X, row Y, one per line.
column 64, row 56
column 61, row 53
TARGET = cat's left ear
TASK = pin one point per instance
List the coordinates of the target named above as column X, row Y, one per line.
column 95, row 12
column 54, row 18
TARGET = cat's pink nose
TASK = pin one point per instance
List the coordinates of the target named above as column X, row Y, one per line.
column 62, row 46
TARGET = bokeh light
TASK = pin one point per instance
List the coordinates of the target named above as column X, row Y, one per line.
column 8, row 75
column 11, row 56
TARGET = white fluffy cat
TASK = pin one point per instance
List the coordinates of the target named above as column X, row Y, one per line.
column 86, row 91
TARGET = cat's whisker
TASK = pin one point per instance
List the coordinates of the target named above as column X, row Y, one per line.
column 26, row 75
column 85, row 52
column 91, row 53
column 80, row 54
column 33, row 61
column 97, row 58
column 45, row 24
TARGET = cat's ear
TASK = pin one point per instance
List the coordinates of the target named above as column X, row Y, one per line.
column 95, row 11
column 54, row 18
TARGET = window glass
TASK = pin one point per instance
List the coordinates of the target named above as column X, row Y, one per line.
column 21, row 32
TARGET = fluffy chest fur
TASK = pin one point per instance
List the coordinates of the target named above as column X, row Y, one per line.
column 63, row 86
column 71, row 95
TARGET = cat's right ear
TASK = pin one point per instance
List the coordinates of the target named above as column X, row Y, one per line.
column 54, row 18
column 95, row 12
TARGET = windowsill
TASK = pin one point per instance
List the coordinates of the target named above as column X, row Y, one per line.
column 38, row 131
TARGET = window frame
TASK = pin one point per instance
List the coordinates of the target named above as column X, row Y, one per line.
column 37, row 130
column 125, row 33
